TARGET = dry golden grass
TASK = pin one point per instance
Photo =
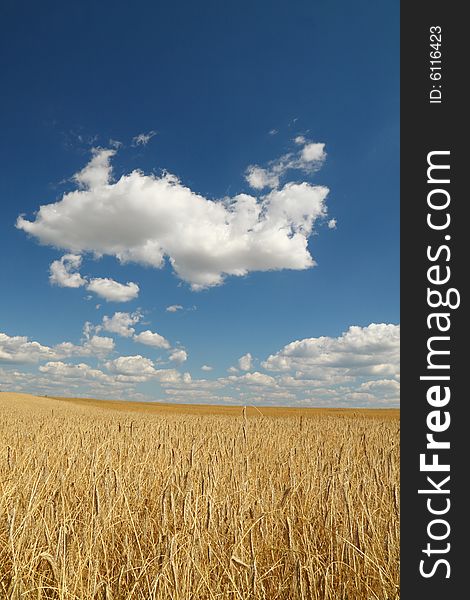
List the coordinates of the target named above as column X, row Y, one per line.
column 113, row 504
column 215, row 409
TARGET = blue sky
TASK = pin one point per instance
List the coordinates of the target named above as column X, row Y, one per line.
column 265, row 103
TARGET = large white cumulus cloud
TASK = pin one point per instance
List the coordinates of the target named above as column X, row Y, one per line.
column 145, row 219
column 369, row 351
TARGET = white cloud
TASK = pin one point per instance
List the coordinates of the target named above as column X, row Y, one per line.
column 168, row 376
column 121, row 323
column 139, row 369
column 255, row 378
column 63, row 271
column 143, row 219
column 358, row 368
column 273, row 132
column 95, row 345
column 152, row 339
column 360, row 351
column 308, row 159
column 174, row 308
column 332, row 224
column 387, row 385
column 313, row 153
column 111, row 290
column 18, row 349
column 79, row 371
column 100, row 344
column 206, row 368
column 317, row 379
column 186, row 390
column 71, row 378
column 178, row 356
column 88, row 329
column 259, row 178
column 201, row 384
column 131, row 365
column 245, row 362
column 97, row 172
column 385, row 389
column 143, row 138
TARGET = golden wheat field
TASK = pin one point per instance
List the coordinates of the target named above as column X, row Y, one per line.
column 113, row 501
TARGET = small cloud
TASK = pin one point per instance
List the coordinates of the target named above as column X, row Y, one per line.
column 143, row 138
column 97, row 173
column 170, row 376
column 273, row 132
column 174, row 308
column 332, row 224
column 232, row 370
column 150, row 338
column 314, row 152
column 121, row 323
column 63, row 272
column 245, row 362
column 179, row 356
column 99, row 345
column 131, row 365
column 259, row 178
column 206, row 368
column 309, row 158
column 113, row 291
column 256, row 378
column 88, row 329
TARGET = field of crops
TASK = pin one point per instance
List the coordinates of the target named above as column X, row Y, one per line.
column 113, row 501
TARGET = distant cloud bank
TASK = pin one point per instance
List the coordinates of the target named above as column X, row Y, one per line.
column 360, row 367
